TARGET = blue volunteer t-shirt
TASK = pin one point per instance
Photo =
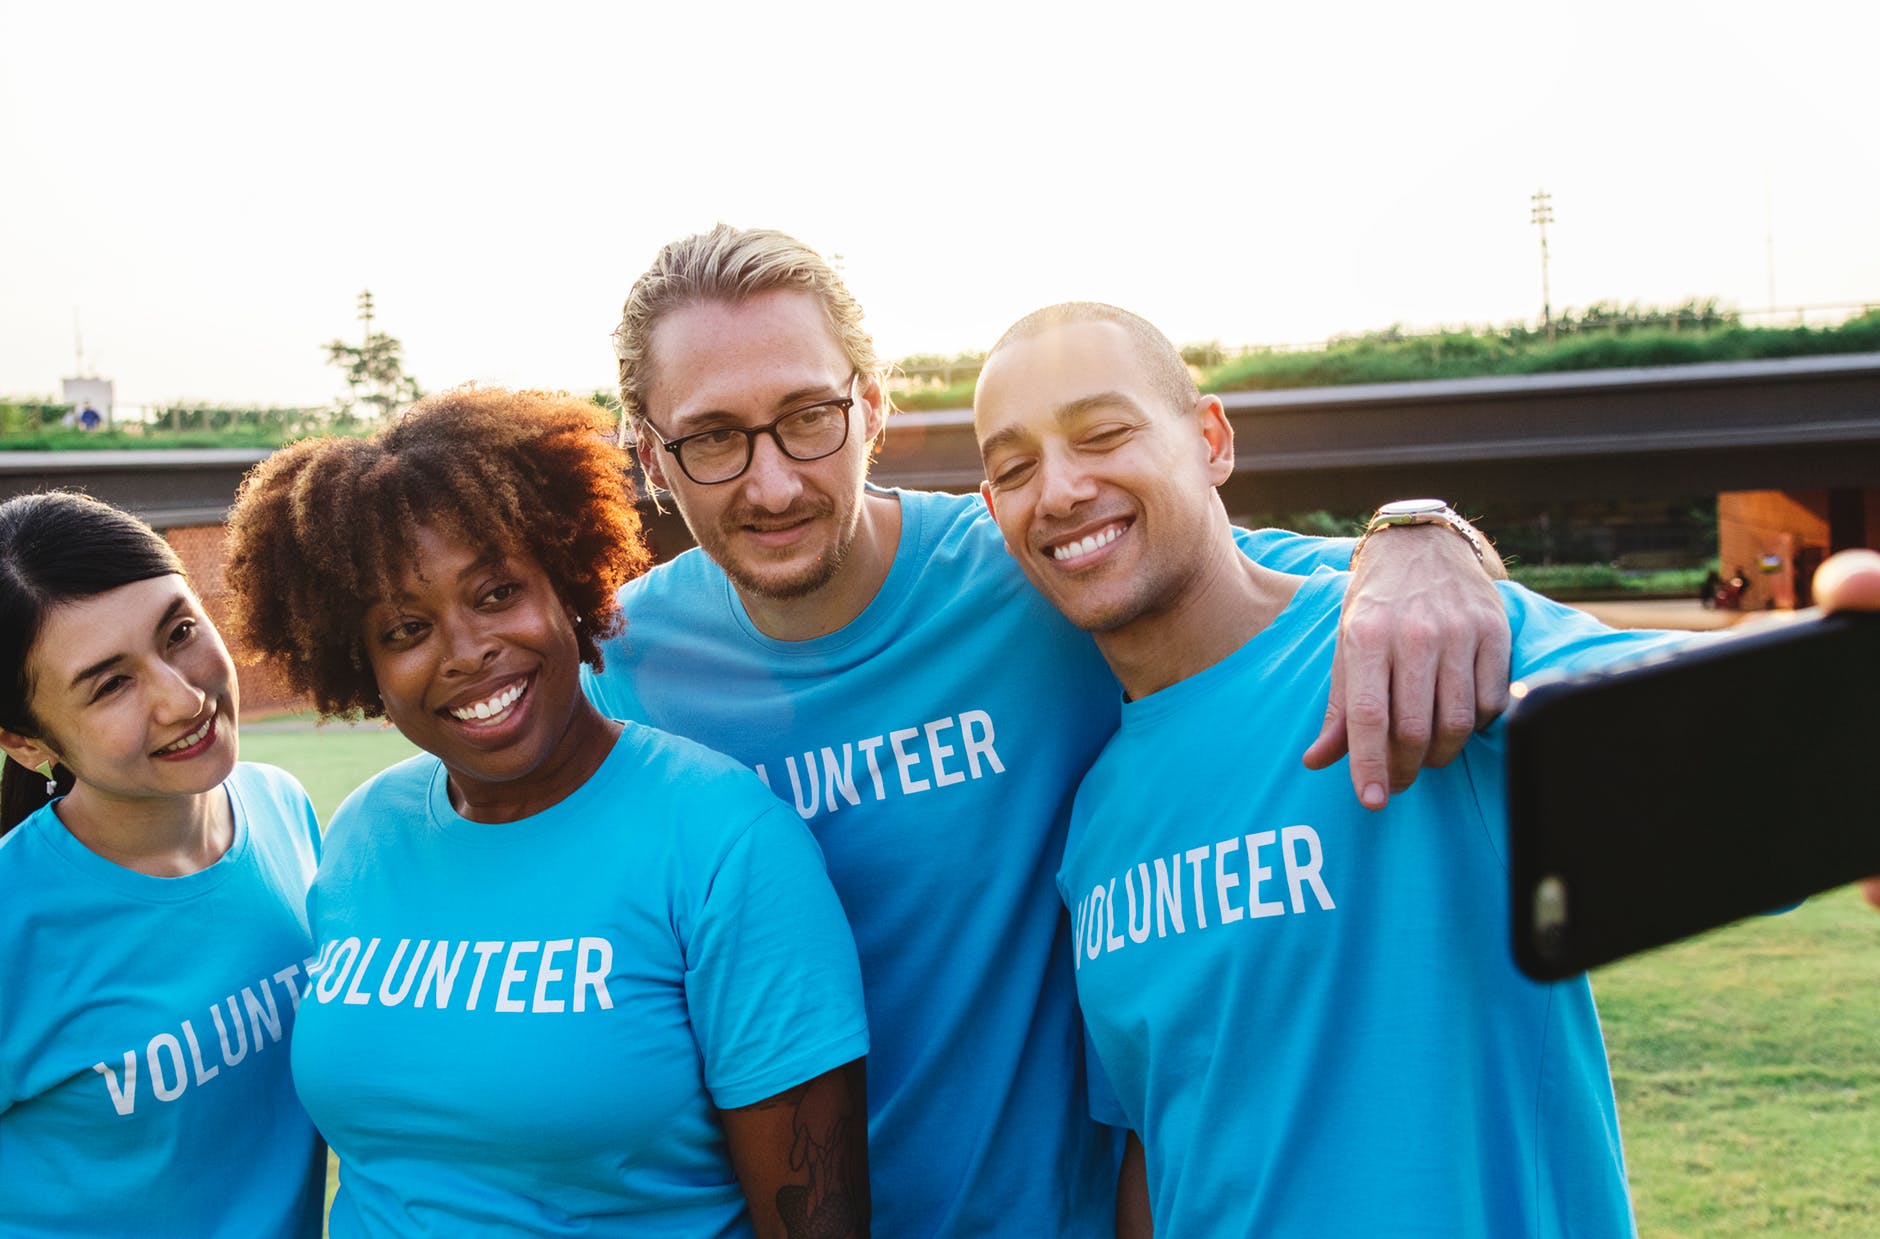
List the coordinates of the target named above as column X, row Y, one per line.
column 528, row 1027
column 144, row 1086
column 1310, row 1011
column 933, row 745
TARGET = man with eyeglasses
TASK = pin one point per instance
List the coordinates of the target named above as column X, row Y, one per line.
column 877, row 658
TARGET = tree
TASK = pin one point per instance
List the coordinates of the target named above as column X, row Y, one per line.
column 374, row 370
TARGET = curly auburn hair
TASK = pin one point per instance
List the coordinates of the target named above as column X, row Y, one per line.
column 324, row 526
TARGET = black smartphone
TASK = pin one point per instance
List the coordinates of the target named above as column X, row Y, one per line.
column 1725, row 780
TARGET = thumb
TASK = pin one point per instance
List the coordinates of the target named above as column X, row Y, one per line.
column 1332, row 742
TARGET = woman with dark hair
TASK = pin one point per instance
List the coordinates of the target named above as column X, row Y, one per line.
column 572, row 974
column 152, row 896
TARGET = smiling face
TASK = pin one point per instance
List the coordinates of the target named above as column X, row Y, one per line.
column 133, row 690
column 783, row 529
column 477, row 663
column 1102, row 489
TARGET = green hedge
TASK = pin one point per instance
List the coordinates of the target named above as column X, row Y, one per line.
column 1389, row 357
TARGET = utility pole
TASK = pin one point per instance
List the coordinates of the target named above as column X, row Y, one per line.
column 1769, row 236
column 365, row 312
column 1543, row 215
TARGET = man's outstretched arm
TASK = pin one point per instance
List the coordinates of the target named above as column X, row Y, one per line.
column 1422, row 657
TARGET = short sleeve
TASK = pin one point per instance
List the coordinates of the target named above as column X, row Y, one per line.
column 1104, row 1106
column 278, row 794
column 1551, row 637
column 1296, row 553
column 772, row 981
column 308, row 820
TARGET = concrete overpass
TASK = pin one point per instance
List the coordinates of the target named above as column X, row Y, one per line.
column 1803, row 424
column 1602, row 434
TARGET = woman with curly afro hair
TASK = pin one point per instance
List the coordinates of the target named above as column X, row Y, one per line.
column 570, row 973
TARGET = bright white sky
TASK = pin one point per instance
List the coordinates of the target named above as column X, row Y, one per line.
column 209, row 186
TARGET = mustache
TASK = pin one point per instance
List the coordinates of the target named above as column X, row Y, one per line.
column 807, row 507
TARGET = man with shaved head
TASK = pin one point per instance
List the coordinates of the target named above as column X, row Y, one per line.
column 1306, row 1015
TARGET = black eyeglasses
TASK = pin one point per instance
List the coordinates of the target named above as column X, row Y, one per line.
column 723, row 453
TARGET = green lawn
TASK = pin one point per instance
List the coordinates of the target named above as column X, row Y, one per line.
column 1748, row 1082
column 1747, row 1062
column 329, row 761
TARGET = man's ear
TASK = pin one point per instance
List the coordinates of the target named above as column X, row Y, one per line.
column 874, row 398
column 1218, row 433
column 25, row 750
column 650, row 453
column 985, row 493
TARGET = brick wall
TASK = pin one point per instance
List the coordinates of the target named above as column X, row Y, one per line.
column 202, row 550
column 1790, row 530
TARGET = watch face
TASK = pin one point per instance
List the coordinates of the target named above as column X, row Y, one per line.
column 1412, row 507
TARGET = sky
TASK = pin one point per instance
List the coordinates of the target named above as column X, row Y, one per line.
column 201, row 190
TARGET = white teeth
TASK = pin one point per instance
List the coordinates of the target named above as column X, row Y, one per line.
column 490, row 707
column 1083, row 546
column 193, row 738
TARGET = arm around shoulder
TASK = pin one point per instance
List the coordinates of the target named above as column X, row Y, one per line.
column 1422, row 658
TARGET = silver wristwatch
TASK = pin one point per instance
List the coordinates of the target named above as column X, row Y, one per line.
column 1422, row 512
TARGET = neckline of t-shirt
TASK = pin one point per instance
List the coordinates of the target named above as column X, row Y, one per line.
column 890, row 598
column 449, row 823
column 147, row 887
column 1299, row 612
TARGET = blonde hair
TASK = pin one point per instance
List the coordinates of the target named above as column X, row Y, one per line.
column 729, row 264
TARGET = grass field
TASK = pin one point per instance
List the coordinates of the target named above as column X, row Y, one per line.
column 329, row 761
column 1748, row 1083
column 1745, row 1061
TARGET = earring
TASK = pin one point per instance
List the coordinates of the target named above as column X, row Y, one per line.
column 52, row 784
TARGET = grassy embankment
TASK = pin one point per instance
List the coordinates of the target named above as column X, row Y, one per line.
column 1393, row 357
column 1749, row 1091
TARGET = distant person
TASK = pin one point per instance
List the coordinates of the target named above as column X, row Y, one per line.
column 574, row 976
column 872, row 653
column 1307, row 1016
column 152, row 905
column 89, row 420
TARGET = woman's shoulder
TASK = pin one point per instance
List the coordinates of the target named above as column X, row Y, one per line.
column 395, row 793
column 278, row 811
column 658, row 750
column 698, row 789
column 21, row 848
column 270, row 785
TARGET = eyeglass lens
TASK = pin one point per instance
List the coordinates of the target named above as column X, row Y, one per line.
column 807, row 434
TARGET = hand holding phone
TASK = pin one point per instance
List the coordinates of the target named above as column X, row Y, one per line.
column 1655, row 802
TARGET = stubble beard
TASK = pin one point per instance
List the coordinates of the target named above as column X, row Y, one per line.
column 812, row 577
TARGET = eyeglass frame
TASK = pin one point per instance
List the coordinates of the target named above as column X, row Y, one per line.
column 750, row 434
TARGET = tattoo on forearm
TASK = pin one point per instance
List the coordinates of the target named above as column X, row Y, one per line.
column 825, row 1139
